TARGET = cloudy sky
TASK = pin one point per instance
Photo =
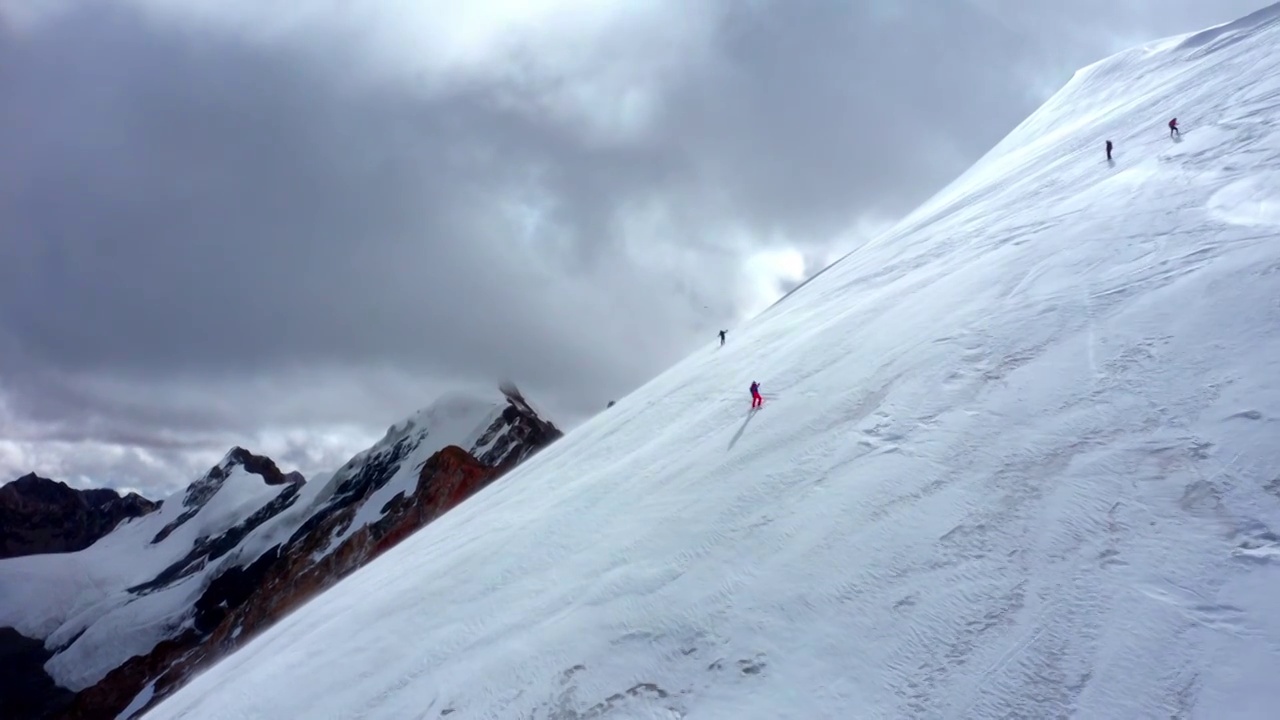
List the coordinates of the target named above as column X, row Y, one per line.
column 286, row 225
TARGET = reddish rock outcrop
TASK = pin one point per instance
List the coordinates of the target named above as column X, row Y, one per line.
column 446, row 479
column 244, row 590
column 107, row 699
column 282, row 582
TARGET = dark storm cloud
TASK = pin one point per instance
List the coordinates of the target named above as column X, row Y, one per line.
column 206, row 237
column 195, row 204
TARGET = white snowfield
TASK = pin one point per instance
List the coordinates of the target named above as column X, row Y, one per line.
column 80, row 602
column 453, row 419
column 1020, row 457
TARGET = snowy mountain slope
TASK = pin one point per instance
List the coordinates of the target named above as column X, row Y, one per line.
column 454, row 419
column 161, row 596
column 82, row 600
column 1019, row 461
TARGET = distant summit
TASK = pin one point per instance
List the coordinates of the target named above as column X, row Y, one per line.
column 129, row 620
column 39, row 515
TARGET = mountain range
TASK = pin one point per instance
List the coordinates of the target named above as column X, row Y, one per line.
column 1017, row 458
column 108, row 604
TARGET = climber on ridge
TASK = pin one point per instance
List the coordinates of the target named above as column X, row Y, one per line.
column 722, row 337
column 756, row 400
column 1173, row 128
column 1109, row 149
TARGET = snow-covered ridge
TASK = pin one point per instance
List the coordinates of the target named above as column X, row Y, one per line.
column 1018, row 460
column 182, row 572
column 81, row 602
column 1240, row 29
column 390, row 468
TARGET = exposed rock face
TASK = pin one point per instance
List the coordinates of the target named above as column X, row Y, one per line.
column 211, row 548
column 199, row 492
column 520, row 433
column 280, row 582
column 38, row 515
column 25, row 690
column 105, row 700
column 331, row 543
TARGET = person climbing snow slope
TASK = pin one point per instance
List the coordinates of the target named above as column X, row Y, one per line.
column 756, row 400
column 722, row 337
column 1109, row 146
column 1173, row 128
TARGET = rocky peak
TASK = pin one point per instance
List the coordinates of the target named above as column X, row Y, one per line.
column 201, row 491
column 39, row 515
column 419, row 470
column 245, row 580
column 516, row 435
column 261, row 466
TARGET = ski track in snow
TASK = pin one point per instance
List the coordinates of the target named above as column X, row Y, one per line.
column 1020, row 461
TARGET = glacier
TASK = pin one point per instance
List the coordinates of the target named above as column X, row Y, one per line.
column 81, row 602
column 1018, row 458
column 130, row 615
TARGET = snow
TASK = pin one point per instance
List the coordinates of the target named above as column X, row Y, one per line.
column 281, row 527
column 1018, row 459
column 1253, row 200
column 81, row 600
column 138, row 702
column 82, row 596
column 453, row 419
